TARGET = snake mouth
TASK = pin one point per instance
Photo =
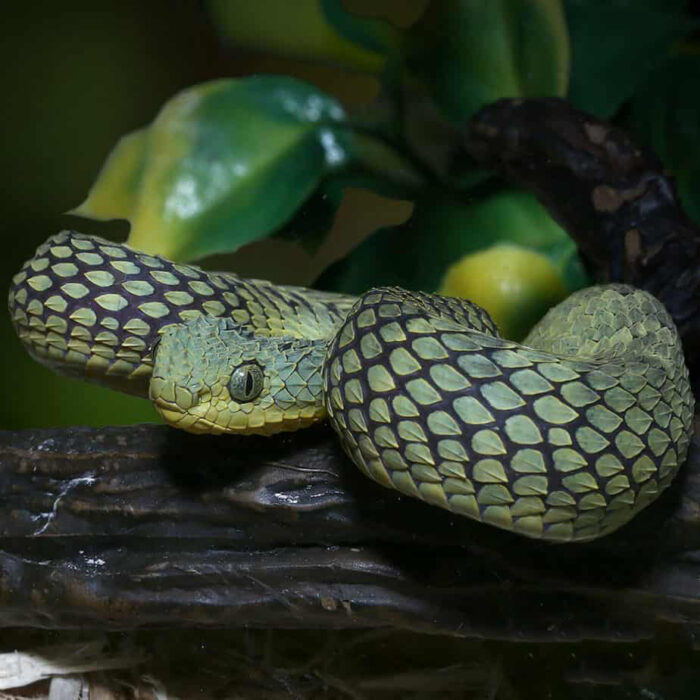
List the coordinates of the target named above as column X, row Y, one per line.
column 182, row 419
column 176, row 405
column 174, row 416
column 264, row 423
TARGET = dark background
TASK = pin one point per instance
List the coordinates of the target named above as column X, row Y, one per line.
column 76, row 77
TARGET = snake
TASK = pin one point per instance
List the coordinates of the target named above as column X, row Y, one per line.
column 564, row 437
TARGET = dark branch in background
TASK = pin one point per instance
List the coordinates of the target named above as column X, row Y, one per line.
column 120, row 528
column 612, row 196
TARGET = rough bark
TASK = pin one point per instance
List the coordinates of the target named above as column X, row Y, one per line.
column 613, row 198
column 149, row 527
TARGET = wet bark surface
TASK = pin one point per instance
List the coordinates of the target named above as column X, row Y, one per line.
column 145, row 526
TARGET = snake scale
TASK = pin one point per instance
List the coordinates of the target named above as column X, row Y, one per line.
column 564, row 437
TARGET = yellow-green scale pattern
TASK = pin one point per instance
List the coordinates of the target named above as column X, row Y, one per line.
column 93, row 309
column 564, row 438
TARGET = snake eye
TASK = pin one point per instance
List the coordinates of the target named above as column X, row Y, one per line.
column 246, row 382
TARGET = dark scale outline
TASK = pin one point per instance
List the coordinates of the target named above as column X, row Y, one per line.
column 292, row 302
column 555, row 477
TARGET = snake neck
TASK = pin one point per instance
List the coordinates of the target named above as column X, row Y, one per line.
column 93, row 309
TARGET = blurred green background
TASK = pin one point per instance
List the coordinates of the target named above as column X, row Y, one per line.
column 77, row 76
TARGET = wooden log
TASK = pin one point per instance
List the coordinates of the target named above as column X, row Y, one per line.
column 121, row 528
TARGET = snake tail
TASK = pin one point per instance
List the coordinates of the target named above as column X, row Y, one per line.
column 563, row 438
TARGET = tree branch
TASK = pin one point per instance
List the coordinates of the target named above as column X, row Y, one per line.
column 121, row 528
column 613, row 197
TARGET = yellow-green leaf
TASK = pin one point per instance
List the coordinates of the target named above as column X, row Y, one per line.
column 114, row 194
column 516, row 285
column 223, row 164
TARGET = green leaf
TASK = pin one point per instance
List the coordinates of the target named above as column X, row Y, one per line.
column 467, row 53
column 319, row 30
column 232, row 161
column 417, row 254
column 665, row 114
column 224, row 163
column 115, row 193
column 616, row 45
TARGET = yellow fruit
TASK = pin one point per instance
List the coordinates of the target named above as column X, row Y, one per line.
column 514, row 284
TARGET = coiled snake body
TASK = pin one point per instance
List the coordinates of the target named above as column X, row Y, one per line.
column 565, row 437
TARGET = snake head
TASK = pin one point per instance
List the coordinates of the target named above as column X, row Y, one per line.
column 211, row 377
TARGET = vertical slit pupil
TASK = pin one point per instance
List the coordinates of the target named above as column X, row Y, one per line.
column 248, row 383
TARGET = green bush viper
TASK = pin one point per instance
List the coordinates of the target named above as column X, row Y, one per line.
column 564, row 437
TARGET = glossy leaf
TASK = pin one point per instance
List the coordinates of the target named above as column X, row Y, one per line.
column 232, row 161
column 223, row 164
column 665, row 114
column 467, row 53
column 320, row 30
column 616, row 45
